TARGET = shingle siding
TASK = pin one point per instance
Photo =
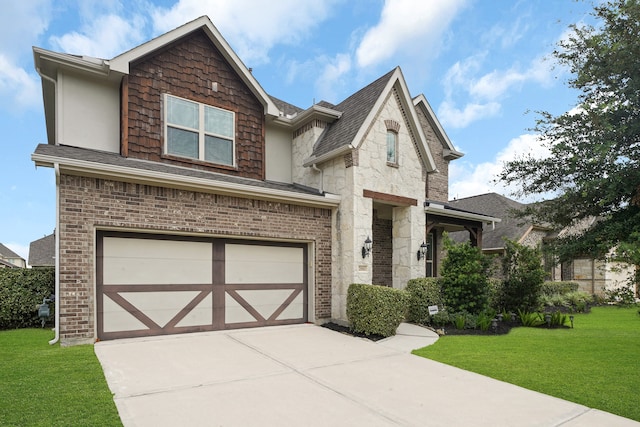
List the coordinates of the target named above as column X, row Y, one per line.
column 88, row 204
column 187, row 69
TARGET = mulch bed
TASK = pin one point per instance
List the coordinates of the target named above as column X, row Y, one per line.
column 502, row 329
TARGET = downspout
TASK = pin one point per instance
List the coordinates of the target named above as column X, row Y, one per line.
column 56, row 338
column 56, row 168
column 315, row 168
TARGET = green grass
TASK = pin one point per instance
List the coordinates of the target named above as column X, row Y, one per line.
column 44, row 385
column 596, row 364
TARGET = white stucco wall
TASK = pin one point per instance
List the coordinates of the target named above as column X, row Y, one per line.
column 89, row 113
column 278, row 154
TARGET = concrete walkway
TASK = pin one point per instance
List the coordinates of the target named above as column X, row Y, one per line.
column 305, row 375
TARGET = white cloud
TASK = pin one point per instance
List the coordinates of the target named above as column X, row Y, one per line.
column 470, row 180
column 451, row 116
column 16, row 84
column 252, row 27
column 104, row 36
column 407, row 24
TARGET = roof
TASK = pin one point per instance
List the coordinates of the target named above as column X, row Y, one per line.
column 5, row 252
column 42, row 252
column 114, row 166
column 494, row 204
column 355, row 110
column 450, row 153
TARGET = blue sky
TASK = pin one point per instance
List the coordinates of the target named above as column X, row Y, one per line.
column 484, row 66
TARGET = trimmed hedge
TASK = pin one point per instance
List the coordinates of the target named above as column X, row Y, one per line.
column 376, row 310
column 423, row 292
column 21, row 291
column 551, row 288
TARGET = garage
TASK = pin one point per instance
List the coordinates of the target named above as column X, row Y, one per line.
column 159, row 284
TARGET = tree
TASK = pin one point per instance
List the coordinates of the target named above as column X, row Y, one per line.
column 523, row 276
column 593, row 165
column 464, row 281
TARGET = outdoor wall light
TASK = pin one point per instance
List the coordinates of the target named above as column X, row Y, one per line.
column 422, row 252
column 366, row 249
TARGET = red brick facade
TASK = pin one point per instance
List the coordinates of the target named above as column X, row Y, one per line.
column 88, row 204
column 382, row 251
column 188, row 69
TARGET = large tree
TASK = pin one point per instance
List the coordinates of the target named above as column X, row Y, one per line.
column 593, row 166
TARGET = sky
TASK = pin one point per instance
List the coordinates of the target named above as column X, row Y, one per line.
column 485, row 66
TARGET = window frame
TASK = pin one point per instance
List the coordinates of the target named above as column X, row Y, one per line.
column 393, row 162
column 200, row 131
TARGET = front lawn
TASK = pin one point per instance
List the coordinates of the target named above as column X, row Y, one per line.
column 596, row 364
column 44, row 385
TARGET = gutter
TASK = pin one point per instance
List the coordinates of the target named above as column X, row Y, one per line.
column 327, row 156
column 109, row 171
column 56, row 338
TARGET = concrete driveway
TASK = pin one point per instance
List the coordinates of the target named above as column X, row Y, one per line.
column 305, row 375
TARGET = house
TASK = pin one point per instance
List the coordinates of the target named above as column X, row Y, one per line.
column 10, row 259
column 42, row 252
column 191, row 200
column 593, row 275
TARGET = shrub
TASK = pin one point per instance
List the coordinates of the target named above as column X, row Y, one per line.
column 495, row 293
column 551, row 288
column 441, row 318
column 376, row 310
column 530, row 319
column 523, row 275
column 623, row 296
column 423, row 292
column 578, row 300
column 21, row 290
column 464, row 281
column 484, row 321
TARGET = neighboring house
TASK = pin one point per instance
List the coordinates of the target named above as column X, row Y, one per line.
column 10, row 259
column 42, row 252
column 191, row 200
column 592, row 275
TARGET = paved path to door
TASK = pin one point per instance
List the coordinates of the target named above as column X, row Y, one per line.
column 305, row 375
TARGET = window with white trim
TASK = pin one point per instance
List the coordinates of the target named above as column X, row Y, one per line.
column 199, row 131
column 392, row 146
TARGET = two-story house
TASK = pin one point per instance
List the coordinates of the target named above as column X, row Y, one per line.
column 188, row 199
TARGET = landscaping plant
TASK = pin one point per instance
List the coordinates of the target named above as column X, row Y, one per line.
column 376, row 310
column 423, row 292
column 464, row 281
column 523, row 275
column 21, row 291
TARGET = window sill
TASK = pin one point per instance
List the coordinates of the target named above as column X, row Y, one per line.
column 197, row 162
column 393, row 165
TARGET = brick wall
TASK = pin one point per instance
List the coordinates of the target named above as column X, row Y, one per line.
column 90, row 203
column 187, row 69
column 382, row 251
column 437, row 182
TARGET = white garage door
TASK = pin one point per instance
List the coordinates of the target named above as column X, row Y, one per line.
column 156, row 285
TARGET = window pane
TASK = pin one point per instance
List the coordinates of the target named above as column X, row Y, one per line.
column 218, row 121
column 218, row 150
column 181, row 112
column 391, row 147
column 182, row 143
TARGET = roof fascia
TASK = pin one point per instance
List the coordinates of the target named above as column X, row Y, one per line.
column 450, row 152
column 441, row 210
column 314, row 112
column 313, row 160
column 121, row 63
column 101, row 170
column 398, row 78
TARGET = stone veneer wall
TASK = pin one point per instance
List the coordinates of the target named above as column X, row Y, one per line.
column 90, row 203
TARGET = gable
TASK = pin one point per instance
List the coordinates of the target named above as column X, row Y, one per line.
column 194, row 69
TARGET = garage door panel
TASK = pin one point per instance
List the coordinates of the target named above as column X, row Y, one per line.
column 263, row 264
column 117, row 319
column 148, row 261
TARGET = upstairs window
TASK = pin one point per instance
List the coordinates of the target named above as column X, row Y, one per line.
column 392, row 146
column 199, row 131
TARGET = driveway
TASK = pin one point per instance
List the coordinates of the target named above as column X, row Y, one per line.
column 305, row 375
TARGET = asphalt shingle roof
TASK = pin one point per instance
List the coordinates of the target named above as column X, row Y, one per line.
column 102, row 157
column 42, row 252
column 355, row 110
column 5, row 252
column 497, row 206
